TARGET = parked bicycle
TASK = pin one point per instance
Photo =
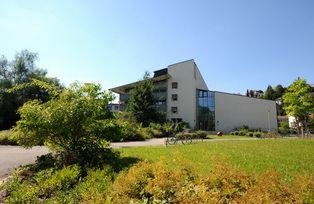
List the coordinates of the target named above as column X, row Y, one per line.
column 184, row 138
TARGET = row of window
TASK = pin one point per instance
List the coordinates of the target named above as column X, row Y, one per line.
column 174, row 97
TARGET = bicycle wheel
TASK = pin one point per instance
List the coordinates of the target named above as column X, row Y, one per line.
column 186, row 140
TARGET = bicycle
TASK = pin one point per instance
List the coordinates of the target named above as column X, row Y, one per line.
column 173, row 139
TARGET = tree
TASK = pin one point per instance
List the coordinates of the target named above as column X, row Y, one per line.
column 279, row 91
column 19, row 71
column 298, row 102
column 72, row 124
column 269, row 93
column 141, row 102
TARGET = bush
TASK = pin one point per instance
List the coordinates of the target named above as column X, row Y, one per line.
column 166, row 129
column 25, row 187
column 159, row 183
column 151, row 182
column 284, row 128
column 71, row 124
column 236, row 132
column 242, row 133
column 250, row 134
column 118, row 130
column 200, row 134
column 271, row 135
column 257, row 134
column 94, row 187
column 6, row 138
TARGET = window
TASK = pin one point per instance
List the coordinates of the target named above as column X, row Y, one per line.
column 174, row 97
column 174, row 109
column 174, row 85
column 116, row 107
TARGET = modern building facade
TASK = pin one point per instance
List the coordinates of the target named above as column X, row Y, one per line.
column 181, row 92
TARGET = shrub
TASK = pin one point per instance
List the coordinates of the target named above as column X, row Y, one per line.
column 6, row 138
column 250, row 134
column 117, row 130
column 257, row 134
column 151, row 182
column 70, row 124
column 271, row 135
column 159, row 183
column 94, row 187
column 25, row 187
column 284, row 128
column 201, row 134
column 270, row 188
column 236, row 132
column 242, row 133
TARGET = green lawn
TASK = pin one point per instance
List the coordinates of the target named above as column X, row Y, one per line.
column 287, row 156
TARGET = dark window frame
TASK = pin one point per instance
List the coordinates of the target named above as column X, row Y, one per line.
column 174, row 109
column 174, row 97
column 174, row 85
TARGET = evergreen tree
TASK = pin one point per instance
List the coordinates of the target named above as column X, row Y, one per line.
column 269, row 93
column 141, row 102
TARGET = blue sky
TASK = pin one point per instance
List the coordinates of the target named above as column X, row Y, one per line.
column 236, row 44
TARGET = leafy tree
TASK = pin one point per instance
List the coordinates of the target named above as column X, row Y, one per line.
column 19, row 71
column 141, row 102
column 298, row 102
column 72, row 123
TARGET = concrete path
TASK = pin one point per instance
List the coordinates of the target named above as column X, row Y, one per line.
column 15, row 156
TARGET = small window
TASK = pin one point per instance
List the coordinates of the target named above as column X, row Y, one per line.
column 174, row 109
column 174, row 85
column 116, row 107
column 174, row 97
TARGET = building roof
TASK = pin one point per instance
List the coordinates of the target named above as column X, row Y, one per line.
column 125, row 88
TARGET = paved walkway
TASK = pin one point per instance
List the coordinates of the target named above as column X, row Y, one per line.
column 15, row 156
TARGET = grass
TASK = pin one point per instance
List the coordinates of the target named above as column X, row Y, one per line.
column 288, row 157
column 228, row 137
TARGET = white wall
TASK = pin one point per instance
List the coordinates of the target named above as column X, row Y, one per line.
column 233, row 111
column 184, row 74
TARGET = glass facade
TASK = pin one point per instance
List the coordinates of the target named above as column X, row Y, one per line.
column 205, row 110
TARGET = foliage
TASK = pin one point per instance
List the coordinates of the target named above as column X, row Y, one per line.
column 71, row 124
column 160, row 183
column 284, row 128
column 165, row 129
column 269, row 93
column 21, row 70
column 25, row 187
column 250, row 134
column 150, row 182
column 118, row 130
column 257, row 134
column 200, row 134
column 141, row 101
column 299, row 102
column 6, row 138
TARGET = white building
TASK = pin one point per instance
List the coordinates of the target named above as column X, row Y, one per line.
column 182, row 93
